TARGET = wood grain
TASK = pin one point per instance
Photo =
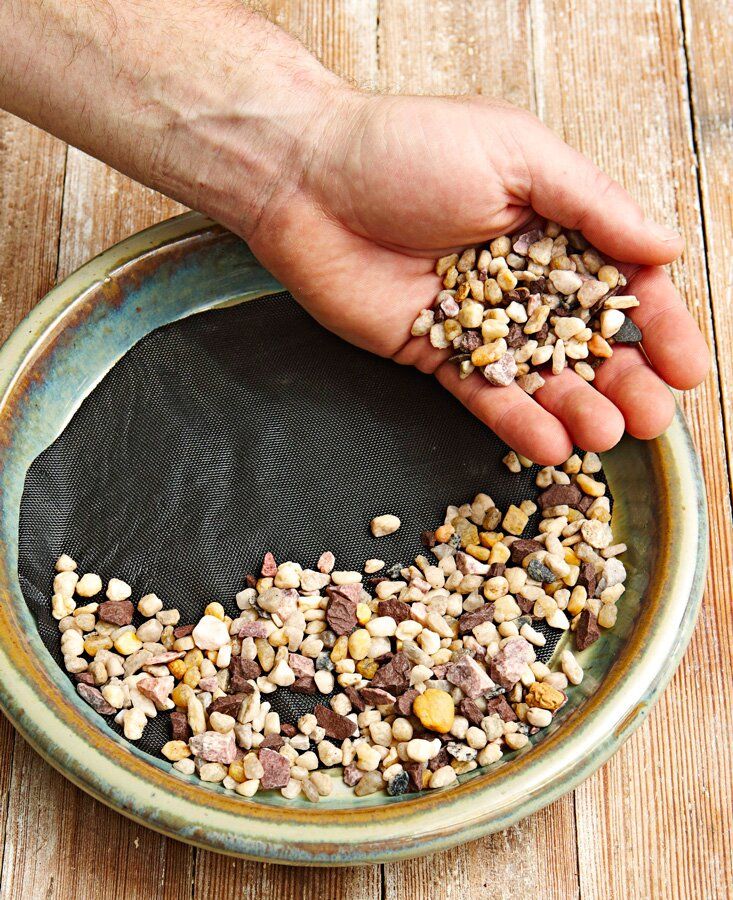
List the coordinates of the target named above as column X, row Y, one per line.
column 644, row 88
column 710, row 70
column 672, row 777
column 31, row 190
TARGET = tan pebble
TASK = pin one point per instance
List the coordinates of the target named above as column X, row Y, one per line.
column 384, row 525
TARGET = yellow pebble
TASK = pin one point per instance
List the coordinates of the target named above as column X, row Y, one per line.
column 570, row 558
column 181, row 695
column 490, row 538
column 236, row 771
column 193, row 658
column 340, row 649
column 444, row 533
column 96, row 642
column 590, row 486
column 480, row 553
column 192, row 676
column 363, row 613
column 175, row 750
column 367, row 668
column 544, row 696
column 128, row 643
column 435, row 710
column 215, row 609
column 177, row 668
column 359, row 643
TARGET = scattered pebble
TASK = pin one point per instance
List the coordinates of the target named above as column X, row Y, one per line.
column 543, row 299
column 426, row 672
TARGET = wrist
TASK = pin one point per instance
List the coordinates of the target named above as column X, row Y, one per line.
column 236, row 145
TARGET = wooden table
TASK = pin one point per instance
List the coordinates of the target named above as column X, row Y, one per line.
column 642, row 86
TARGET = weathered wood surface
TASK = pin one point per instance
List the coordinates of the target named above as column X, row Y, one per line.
column 642, row 86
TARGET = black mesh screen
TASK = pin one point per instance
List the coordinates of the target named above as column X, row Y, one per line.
column 243, row 430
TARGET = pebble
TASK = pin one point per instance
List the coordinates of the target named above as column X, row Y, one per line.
column 435, row 710
column 383, row 525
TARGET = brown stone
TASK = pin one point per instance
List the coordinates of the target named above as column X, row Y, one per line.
column 498, row 705
column 587, row 578
column 335, row 725
column 341, row 614
column 352, row 775
column 587, row 630
column 468, row 621
column 355, row 697
column 405, row 701
column 183, row 631
column 240, row 671
column 377, row 697
column 398, row 610
column 303, row 666
column 117, row 612
column 180, row 729
column 269, row 566
column 440, row 759
column 214, row 747
column 93, row 696
column 511, row 661
column 470, row 710
column 253, row 630
column 305, row 685
column 416, row 771
column 560, row 495
column 394, row 676
column 229, row 704
column 523, row 547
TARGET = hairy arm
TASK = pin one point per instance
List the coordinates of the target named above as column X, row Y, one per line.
column 207, row 102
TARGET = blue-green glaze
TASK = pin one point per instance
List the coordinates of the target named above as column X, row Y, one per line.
column 52, row 361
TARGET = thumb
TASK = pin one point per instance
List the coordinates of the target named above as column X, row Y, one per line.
column 568, row 188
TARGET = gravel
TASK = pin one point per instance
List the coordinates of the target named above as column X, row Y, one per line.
column 431, row 672
column 527, row 306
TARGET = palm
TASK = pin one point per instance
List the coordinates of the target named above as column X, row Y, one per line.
column 416, row 177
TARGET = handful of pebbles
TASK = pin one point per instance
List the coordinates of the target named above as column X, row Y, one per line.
column 423, row 672
column 542, row 299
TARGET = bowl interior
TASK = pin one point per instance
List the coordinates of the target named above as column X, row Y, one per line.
column 184, row 267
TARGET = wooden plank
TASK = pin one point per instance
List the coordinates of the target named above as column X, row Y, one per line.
column 61, row 843
column 534, row 859
column 342, row 33
column 711, row 85
column 447, row 49
column 223, row 877
column 656, row 820
column 31, row 189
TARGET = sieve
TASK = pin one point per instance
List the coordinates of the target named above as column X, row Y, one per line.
column 168, row 415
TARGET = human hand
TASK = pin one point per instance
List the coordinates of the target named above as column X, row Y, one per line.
column 399, row 181
column 348, row 198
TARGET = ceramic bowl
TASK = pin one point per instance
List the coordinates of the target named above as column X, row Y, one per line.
column 53, row 360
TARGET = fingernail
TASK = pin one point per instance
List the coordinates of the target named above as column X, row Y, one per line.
column 661, row 232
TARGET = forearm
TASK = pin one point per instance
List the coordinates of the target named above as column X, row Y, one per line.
column 206, row 102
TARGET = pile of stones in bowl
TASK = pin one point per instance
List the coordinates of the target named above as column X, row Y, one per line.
column 425, row 671
column 539, row 301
